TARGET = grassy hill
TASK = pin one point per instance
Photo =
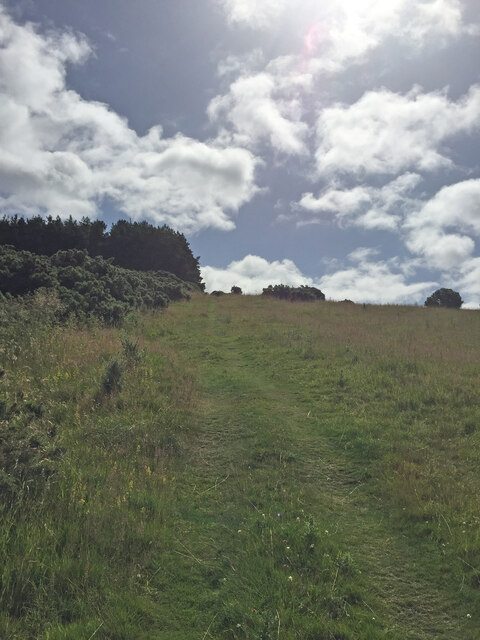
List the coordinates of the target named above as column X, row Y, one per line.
column 241, row 467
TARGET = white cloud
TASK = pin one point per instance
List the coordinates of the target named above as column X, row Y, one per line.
column 442, row 18
column 468, row 283
column 385, row 132
column 373, row 282
column 253, row 13
column 252, row 274
column 258, row 108
column 364, row 206
column 366, row 281
column 243, row 65
column 268, row 106
column 443, row 251
column 62, row 154
column 455, row 207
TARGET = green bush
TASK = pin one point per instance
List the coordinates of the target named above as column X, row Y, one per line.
column 285, row 292
column 86, row 286
column 444, row 298
column 112, row 380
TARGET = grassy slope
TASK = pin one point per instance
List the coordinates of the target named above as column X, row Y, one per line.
column 269, row 470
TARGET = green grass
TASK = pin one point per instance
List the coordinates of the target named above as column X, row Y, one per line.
column 257, row 469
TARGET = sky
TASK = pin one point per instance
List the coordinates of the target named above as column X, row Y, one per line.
column 332, row 143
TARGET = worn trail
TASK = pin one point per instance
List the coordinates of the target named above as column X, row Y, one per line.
column 257, row 437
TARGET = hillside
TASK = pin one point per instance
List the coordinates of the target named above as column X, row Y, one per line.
column 242, row 467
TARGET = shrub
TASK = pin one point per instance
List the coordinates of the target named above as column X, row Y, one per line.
column 112, row 380
column 236, row 290
column 86, row 286
column 444, row 298
column 217, row 293
column 302, row 293
column 132, row 353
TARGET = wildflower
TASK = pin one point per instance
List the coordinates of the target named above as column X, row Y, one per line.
column 288, row 548
column 469, row 615
column 290, row 578
column 278, row 515
column 239, row 531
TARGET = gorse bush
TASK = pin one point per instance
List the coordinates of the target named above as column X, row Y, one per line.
column 84, row 286
column 301, row 294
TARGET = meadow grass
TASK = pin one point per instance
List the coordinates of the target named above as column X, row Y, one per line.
column 240, row 467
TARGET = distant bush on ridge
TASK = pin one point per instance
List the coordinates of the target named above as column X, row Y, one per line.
column 444, row 298
column 285, row 292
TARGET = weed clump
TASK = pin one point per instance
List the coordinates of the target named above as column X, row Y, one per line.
column 113, row 377
column 132, row 353
column 28, row 452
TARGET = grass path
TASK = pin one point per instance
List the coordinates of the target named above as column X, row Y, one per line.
column 260, row 452
column 262, row 470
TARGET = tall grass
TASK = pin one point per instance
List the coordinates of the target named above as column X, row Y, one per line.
column 257, row 469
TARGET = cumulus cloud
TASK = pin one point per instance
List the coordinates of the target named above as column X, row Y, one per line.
column 367, row 280
column 268, row 105
column 252, row 13
column 62, row 154
column 468, row 282
column 454, row 205
column 433, row 229
column 252, row 274
column 386, row 133
column 259, row 107
column 344, row 30
column 365, row 206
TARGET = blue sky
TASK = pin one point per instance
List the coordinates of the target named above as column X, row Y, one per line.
column 331, row 143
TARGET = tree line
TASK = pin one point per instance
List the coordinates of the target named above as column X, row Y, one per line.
column 133, row 245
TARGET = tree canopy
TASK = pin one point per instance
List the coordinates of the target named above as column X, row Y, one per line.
column 133, row 245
